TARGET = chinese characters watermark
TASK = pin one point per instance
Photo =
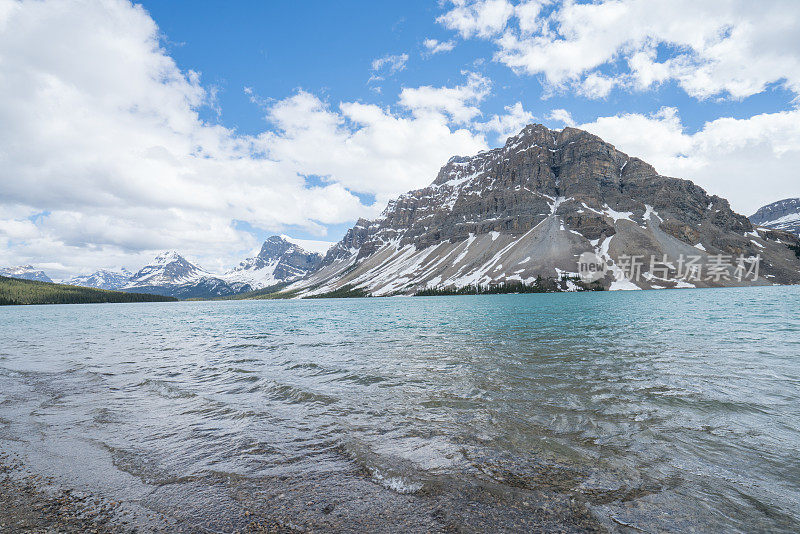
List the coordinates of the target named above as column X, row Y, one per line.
column 689, row 268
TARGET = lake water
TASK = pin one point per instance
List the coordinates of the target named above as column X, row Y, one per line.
column 658, row 411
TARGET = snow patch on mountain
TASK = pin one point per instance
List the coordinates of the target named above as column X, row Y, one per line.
column 280, row 260
column 782, row 215
column 167, row 269
column 103, row 279
column 25, row 272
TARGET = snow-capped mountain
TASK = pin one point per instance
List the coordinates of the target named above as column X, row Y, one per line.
column 534, row 207
column 25, row 272
column 781, row 215
column 167, row 269
column 103, row 279
column 278, row 261
column 172, row 275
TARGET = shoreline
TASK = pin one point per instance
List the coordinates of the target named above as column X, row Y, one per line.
column 35, row 503
column 355, row 502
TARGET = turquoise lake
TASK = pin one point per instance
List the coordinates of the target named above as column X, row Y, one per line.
column 654, row 411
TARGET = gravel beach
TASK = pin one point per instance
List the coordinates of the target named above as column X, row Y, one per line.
column 32, row 503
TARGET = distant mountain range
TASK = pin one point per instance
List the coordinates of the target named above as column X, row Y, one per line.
column 278, row 261
column 781, row 215
column 517, row 216
column 25, row 272
column 102, row 279
column 172, row 275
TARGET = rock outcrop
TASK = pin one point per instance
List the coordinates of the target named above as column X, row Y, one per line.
column 532, row 209
column 172, row 275
column 103, row 279
column 25, row 272
column 783, row 215
column 278, row 261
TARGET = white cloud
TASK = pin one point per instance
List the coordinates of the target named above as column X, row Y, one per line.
column 515, row 119
column 388, row 66
column 596, row 85
column 527, row 14
column 728, row 48
column 483, row 18
column 366, row 148
column 751, row 162
column 459, row 103
column 432, row 46
column 104, row 159
column 562, row 116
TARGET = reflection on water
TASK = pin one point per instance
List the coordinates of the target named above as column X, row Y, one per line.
column 652, row 410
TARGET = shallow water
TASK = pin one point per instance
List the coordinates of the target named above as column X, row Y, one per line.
column 660, row 411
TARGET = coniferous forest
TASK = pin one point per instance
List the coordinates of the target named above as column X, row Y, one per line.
column 17, row 291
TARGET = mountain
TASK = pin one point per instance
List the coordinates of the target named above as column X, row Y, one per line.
column 782, row 215
column 167, row 269
column 25, row 272
column 170, row 274
column 278, row 261
column 103, row 279
column 173, row 275
column 538, row 207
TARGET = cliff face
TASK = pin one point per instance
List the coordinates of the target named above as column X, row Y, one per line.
column 25, row 272
column 782, row 215
column 103, row 279
column 531, row 208
column 167, row 269
column 277, row 261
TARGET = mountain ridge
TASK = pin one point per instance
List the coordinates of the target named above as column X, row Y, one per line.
column 781, row 215
column 278, row 261
column 102, row 279
column 531, row 208
column 25, row 272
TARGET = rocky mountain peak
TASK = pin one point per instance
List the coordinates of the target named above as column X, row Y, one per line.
column 168, row 256
column 25, row 272
column 167, row 268
column 530, row 208
column 278, row 261
column 782, row 215
column 275, row 247
column 103, row 279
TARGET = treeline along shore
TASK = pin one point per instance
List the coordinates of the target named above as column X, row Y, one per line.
column 15, row 291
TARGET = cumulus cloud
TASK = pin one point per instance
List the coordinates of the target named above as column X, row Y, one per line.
column 433, row 46
column 104, row 159
column 459, row 103
column 482, row 18
column 728, row 48
column 365, row 148
column 504, row 126
column 563, row 116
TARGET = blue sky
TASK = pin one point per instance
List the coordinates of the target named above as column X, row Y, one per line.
column 276, row 48
column 208, row 126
